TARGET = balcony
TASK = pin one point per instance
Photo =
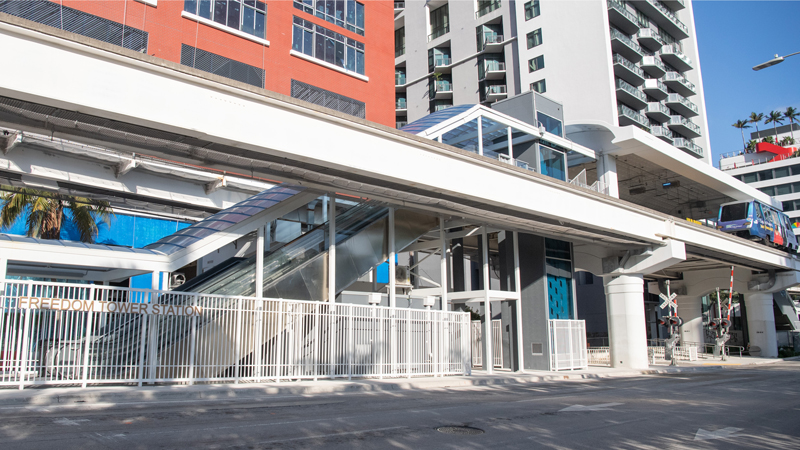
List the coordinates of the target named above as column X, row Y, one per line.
column 496, row 92
column 676, row 5
column 653, row 66
column 441, row 64
column 679, row 84
column 486, row 8
column 628, row 71
column 655, row 89
column 492, row 43
column 400, row 124
column 650, row 38
column 399, row 7
column 657, row 112
column 624, row 45
column 400, row 106
column 627, row 116
column 689, row 147
column 493, row 70
column 664, row 17
column 620, row 17
column 630, row 95
column 438, row 32
column 672, row 55
column 662, row 133
column 443, row 90
column 684, row 126
column 399, row 82
column 682, row 106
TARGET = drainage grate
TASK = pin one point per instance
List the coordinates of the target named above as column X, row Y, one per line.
column 464, row 431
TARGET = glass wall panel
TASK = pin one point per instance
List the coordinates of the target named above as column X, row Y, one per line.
column 552, row 163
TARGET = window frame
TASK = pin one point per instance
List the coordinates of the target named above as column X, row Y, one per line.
column 538, row 67
column 531, row 38
column 532, row 9
column 353, row 51
column 209, row 19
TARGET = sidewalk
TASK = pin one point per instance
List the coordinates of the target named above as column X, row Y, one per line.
column 42, row 396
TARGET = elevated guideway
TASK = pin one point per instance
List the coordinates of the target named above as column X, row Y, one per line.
column 129, row 101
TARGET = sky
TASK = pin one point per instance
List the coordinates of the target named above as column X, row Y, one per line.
column 734, row 36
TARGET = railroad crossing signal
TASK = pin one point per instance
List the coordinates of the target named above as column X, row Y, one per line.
column 669, row 302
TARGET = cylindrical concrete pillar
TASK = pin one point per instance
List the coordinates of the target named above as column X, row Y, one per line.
column 690, row 309
column 626, row 322
column 761, row 323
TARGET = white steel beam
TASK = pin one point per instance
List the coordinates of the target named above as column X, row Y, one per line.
column 332, row 247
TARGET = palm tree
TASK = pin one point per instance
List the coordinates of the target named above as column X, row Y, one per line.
column 775, row 118
column 45, row 212
column 791, row 114
column 756, row 119
column 741, row 125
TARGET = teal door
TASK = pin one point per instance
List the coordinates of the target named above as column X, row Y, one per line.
column 559, row 292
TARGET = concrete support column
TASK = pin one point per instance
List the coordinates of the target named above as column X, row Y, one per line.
column 761, row 323
column 690, row 309
column 488, row 354
column 331, row 247
column 443, row 264
column 626, row 321
column 607, row 174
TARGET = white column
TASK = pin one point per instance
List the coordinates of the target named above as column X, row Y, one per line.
column 332, row 248
column 392, row 264
column 443, row 264
column 488, row 357
column 626, row 321
column 761, row 323
column 691, row 311
column 480, row 136
column 518, row 304
column 607, row 174
column 258, row 323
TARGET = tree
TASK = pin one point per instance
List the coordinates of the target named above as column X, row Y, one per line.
column 751, row 145
column 741, row 125
column 44, row 212
column 774, row 118
column 755, row 119
column 792, row 114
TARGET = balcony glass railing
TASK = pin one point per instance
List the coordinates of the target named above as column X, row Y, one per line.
column 399, row 79
column 688, row 145
column 621, row 60
column 655, row 84
column 675, row 49
column 680, row 120
column 654, row 61
column 654, row 107
column 441, row 31
column 634, row 115
column 661, row 132
column 399, row 51
column 620, row 8
column 494, row 66
column 678, row 98
column 496, row 89
column 669, row 14
column 443, row 86
column 492, row 38
column 627, row 87
column 441, row 107
column 485, row 8
column 400, row 103
column 675, row 76
column 441, row 61
column 652, row 34
column 622, row 37
column 400, row 124
column 399, row 5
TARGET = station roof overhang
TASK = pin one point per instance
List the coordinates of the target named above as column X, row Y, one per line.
column 653, row 173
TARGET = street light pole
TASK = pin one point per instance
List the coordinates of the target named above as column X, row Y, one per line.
column 772, row 62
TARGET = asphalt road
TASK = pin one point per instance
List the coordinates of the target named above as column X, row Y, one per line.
column 754, row 407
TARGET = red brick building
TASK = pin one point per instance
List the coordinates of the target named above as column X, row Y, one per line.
column 335, row 53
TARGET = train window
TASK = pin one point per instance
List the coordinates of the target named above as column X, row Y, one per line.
column 737, row 211
column 781, row 172
column 783, row 189
column 769, row 190
column 765, row 175
column 758, row 211
column 750, row 177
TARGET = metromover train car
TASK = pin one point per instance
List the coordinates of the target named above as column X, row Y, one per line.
column 759, row 222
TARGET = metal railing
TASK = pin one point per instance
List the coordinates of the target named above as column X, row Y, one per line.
column 652, row 83
column 476, row 340
column 439, row 32
column 443, row 86
column 620, row 8
column 621, row 60
column 79, row 334
column 688, row 145
column 492, row 38
column 487, row 8
column 654, row 61
column 669, row 14
column 496, row 89
column 680, row 120
column 633, row 115
column 400, row 104
column 678, row 98
column 629, row 88
column 580, row 180
column 661, row 132
column 599, row 356
column 441, row 61
column 652, row 34
column 494, row 66
column 400, row 124
column 675, row 49
column 657, row 107
column 400, row 79
column 618, row 35
column 568, row 344
column 675, row 76
column 399, row 5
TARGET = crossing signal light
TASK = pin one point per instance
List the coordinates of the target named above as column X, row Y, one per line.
column 725, row 323
column 675, row 320
column 714, row 324
column 663, row 321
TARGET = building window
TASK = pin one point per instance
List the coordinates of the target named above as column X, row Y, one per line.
column 539, row 86
column 326, row 45
column 550, row 124
column 347, row 14
column 536, row 63
column 535, row 38
column 532, row 9
column 222, row 66
column 440, row 22
column 399, row 42
column 328, row 99
column 248, row 16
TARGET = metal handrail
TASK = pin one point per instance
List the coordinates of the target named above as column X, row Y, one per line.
column 669, row 14
column 653, row 61
column 439, row 32
column 677, row 51
column 678, row 98
column 675, row 76
column 680, row 120
column 619, row 7
column 629, row 88
column 616, row 34
column 619, row 59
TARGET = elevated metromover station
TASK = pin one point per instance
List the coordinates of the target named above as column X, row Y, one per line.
column 519, row 229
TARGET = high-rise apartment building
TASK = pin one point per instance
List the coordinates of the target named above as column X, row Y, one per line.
column 331, row 53
column 615, row 62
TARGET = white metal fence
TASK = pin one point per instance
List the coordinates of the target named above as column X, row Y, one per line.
column 568, row 344
column 55, row 333
column 476, row 330
column 599, row 356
